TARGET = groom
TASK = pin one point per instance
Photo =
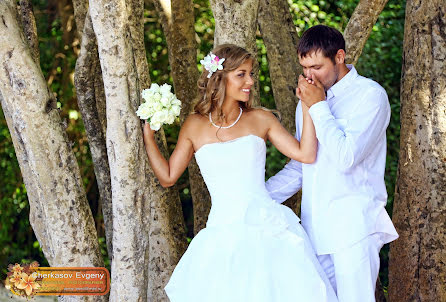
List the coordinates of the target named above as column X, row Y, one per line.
column 343, row 191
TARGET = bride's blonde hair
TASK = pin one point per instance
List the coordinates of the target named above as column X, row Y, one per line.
column 211, row 91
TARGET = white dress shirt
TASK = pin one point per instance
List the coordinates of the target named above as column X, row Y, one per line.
column 343, row 191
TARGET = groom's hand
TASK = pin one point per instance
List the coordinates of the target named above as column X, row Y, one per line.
column 309, row 93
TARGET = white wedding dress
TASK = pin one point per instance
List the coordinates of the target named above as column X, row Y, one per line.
column 252, row 249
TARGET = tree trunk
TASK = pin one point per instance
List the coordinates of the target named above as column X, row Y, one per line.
column 236, row 23
column 80, row 9
column 167, row 237
column 143, row 212
column 130, row 192
column 177, row 19
column 280, row 38
column 91, row 102
column 59, row 211
column 360, row 26
column 417, row 270
column 30, row 28
column 135, row 11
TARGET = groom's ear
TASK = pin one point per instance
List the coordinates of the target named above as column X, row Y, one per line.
column 340, row 56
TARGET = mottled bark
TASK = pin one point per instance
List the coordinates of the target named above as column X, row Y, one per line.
column 91, row 102
column 280, row 38
column 177, row 18
column 80, row 9
column 142, row 210
column 417, row 270
column 167, row 237
column 59, row 211
column 29, row 28
column 130, row 192
column 360, row 26
column 135, row 11
column 236, row 23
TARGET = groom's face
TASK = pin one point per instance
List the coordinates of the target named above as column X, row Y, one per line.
column 322, row 67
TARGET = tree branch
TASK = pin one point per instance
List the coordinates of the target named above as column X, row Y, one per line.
column 360, row 26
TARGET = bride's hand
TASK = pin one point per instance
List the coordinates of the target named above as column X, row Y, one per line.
column 148, row 132
column 298, row 94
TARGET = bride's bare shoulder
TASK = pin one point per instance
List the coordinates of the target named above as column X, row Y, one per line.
column 262, row 114
column 194, row 122
column 195, row 118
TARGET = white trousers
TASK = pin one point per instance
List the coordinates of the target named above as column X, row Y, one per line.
column 353, row 271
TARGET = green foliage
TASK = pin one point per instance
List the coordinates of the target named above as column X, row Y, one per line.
column 309, row 13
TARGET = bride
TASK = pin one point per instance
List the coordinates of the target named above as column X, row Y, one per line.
column 252, row 248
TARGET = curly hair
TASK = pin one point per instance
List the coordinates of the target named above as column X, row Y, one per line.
column 211, row 91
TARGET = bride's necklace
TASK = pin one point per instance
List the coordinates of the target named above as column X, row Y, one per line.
column 226, row 127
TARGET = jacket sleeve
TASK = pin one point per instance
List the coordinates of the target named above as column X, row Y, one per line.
column 350, row 144
column 286, row 183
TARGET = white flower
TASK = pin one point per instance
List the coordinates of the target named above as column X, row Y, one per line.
column 212, row 63
column 165, row 115
column 175, row 109
column 154, row 87
column 157, row 106
column 156, row 97
column 155, row 126
column 151, row 111
column 159, row 117
column 165, row 101
column 171, row 97
column 165, row 89
column 144, row 111
column 176, row 102
column 146, row 94
column 170, row 119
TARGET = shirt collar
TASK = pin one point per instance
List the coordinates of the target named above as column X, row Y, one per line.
column 337, row 88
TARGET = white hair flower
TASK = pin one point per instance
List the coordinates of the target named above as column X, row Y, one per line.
column 212, row 63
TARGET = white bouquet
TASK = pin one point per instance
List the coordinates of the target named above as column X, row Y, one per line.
column 161, row 106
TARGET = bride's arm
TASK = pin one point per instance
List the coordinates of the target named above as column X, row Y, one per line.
column 303, row 151
column 168, row 172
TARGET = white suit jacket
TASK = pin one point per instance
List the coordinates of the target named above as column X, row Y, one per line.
column 343, row 192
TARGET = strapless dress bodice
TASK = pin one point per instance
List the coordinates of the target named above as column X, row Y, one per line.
column 234, row 172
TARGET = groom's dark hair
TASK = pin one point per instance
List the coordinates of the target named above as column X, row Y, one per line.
column 321, row 38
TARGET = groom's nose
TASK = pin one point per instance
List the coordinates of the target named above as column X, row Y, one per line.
column 308, row 74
